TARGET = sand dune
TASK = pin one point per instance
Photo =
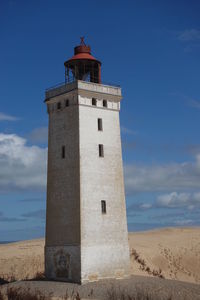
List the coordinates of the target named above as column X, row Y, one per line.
column 173, row 253
column 21, row 260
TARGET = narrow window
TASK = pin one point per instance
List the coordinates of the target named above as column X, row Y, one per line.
column 63, row 151
column 103, row 206
column 94, row 101
column 58, row 105
column 100, row 125
column 105, row 103
column 67, row 102
column 101, row 152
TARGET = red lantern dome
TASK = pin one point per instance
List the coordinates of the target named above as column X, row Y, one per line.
column 83, row 66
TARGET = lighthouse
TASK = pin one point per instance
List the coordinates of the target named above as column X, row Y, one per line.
column 86, row 225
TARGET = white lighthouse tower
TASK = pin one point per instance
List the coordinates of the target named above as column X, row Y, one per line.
column 86, row 227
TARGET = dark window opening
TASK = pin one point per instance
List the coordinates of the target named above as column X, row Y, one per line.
column 103, row 206
column 66, row 102
column 100, row 125
column 105, row 103
column 58, row 105
column 94, row 101
column 63, row 151
column 101, row 152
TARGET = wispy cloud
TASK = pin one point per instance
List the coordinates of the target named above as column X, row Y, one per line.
column 194, row 103
column 10, row 219
column 189, row 35
column 139, row 207
column 129, row 145
column 33, row 200
column 38, row 214
column 126, row 130
column 189, row 38
column 23, row 233
column 179, row 200
column 189, row 101
column 39, row 135
column 5, row 117
column 183, row 222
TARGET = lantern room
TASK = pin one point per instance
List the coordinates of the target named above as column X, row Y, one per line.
column 83, row 66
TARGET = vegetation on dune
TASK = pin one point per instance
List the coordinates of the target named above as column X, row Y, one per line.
column 19, row 294
column 112, row 294
column 143, row 265
column 121, row 294
column 13, row 293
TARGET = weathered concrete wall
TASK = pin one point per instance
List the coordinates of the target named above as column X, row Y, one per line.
column 63, row 193
column 104, row 239
column 91, row 245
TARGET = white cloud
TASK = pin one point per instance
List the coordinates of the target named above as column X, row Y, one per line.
column 189, row 35
column 38, row 214
column 127, row 130
column 21, row 166
column 10, row 219
column 169, row 177
column 39, row 135
column 183, row 222
column 198, row 160
column 179, row 200
column 194, row 103
column 5, row 117
column 173, row 199
column 145, row 206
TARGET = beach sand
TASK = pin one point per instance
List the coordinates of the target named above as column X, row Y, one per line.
column 174, row 253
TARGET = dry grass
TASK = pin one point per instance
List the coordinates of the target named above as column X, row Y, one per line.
column 39, row 276
column 143, row 265
column 7, row 279
column 18, row 294
column 1, row 296
column 112, row 294
column 21, row 294
column 121, row 294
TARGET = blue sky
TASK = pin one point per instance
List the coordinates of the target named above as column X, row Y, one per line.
column 150, row 48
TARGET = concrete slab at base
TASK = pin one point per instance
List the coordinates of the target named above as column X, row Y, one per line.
column 104, row 261
column 63, row 263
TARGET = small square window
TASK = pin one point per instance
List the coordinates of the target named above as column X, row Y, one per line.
column 67, row 102
column 94, row 101
column 103, row 206
column 63, row 151
column 101, row 151
column 58, row 105
column 105, row 103
column 100, row 125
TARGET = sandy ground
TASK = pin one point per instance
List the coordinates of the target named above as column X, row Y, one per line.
column 22, row 260
column 173, row 251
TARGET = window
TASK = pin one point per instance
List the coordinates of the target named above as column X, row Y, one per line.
column 101, row 152
column 67, row 102
column 100, row 125
column 103, row 206
column 63, row 151
column 58, row 105
column 105, row 103
column 94, row 101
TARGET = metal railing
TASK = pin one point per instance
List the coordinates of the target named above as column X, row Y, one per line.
column 71, row 80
